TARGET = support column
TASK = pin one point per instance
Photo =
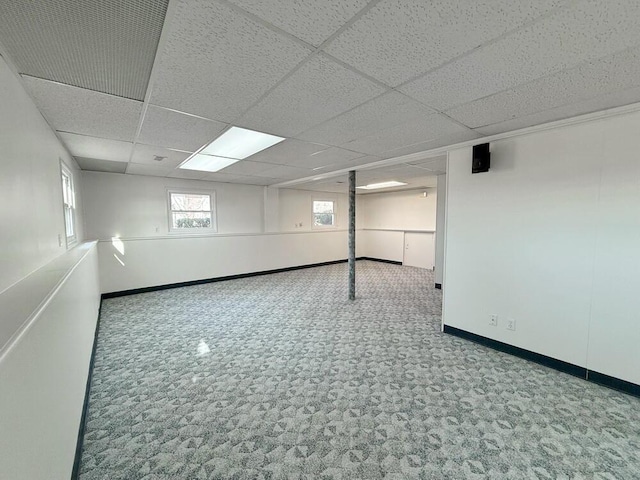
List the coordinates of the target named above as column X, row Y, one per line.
column 352, row 235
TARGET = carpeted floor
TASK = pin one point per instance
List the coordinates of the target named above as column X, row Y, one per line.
column 280, row 377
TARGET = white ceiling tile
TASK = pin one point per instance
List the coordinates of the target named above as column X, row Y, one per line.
column 105, row 46
column 77, row 110
column 94, row 165
column 186, row 173
column 398, row 172
column 97, row 148
column 150, row 170
column 435, row 164
column 399, row 39
column 252, row 180
column 613, row 73
column 146, row 154
column 221, row 177
column 334, row 156
column 319, row 90
column 176, row 130
column 406, row 135
column 359, row 161
column 333, row 185
column 217, row 62
column 309, row 20
column 383, row 112
column 604, row 102
column 589, row 31
column 287, row 152
column 247, row 167
column 285, row 172
column 443, row 141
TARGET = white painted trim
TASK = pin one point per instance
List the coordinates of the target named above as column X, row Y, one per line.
column 187, row 191
column 31, row 319
column 444, row 246
column 70, row 241
column 222, row 235
column 328, row 197
column 398, row 230
column 589, row 117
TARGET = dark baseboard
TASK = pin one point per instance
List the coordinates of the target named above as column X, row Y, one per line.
column 190, row 283
column 519, row 352
column 615, row 383
column 576, row 371
column 75, row 473
column 382, row 260
column 439, row 286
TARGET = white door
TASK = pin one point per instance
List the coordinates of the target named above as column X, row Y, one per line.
column 419, row 250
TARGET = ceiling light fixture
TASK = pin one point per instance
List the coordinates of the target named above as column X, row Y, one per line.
column 233, row 145
column 207, row 163
column 240, row 143
column 373, row 186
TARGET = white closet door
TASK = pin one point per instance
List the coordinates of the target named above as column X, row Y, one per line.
column 419, row 249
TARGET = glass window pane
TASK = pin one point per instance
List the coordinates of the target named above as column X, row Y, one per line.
column 191, row 219
column 68, row 221
column 190, row 201
column 65, row 188
column 322, row 219
column 322, row 207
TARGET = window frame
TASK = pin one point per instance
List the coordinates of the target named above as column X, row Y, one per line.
column 69, row 209
column 192, row 231
column 324, row 198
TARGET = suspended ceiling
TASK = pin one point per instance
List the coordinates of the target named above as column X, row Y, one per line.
column 136, row 87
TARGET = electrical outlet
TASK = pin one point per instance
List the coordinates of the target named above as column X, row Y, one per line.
column 511, row 324
column 493, row 320
column 59, row 240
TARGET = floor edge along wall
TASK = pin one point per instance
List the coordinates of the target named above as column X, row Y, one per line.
column 575, row 370
column 155, row 288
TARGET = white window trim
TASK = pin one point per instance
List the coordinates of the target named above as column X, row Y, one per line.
column 325, row 198
column 194, row 231
column 70, row 240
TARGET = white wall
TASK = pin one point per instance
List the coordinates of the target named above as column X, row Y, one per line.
column 384, row 217
column 134, row 208
column 404, row 210
column 152, row 262
column 44, row 375
column 43, row 372
column 31, row 209
column 271, row 209
column 296, row 208
column 381, row 244
column 136, row 205
column 441, row 228
column 549, row 237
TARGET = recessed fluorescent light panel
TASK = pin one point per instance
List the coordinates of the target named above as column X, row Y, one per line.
column 207, row 163
column 240, row 143
column 233, row 145
column 373, row 186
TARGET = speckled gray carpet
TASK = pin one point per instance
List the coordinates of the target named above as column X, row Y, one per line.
column 281, row 377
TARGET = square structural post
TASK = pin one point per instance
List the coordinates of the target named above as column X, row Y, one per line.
column 352, row 235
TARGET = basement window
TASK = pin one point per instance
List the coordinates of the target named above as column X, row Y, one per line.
column 69, row 204
column 191, row 212
column 324, row 213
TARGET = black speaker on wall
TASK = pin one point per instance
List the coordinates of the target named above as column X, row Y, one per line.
column 481, row 158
